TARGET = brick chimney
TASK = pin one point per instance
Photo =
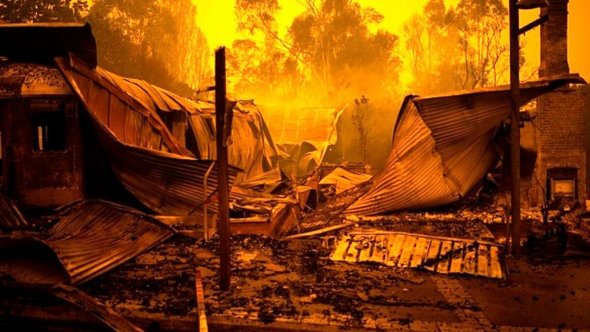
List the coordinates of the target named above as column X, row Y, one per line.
column 554, row 40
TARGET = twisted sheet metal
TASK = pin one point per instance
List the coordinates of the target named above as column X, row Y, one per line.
column 443, row 146
column 143, row 154
column 128, row 119
column 93, row 237
column 89, row 239
column 252, row 148
column 165, row 183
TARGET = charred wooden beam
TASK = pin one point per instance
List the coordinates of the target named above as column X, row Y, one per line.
column 222, row 169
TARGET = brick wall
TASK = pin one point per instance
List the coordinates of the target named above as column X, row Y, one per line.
column 560, row 134
column 554, row 39
column 560, row 125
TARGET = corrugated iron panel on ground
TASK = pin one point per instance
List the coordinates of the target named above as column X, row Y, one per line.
column 443, row 146
column 89, row 239
column 436, row 254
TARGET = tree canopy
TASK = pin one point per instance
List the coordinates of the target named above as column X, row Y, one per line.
column 332, row 50
column 461, row 47
column 155, row 40
column 21, row 11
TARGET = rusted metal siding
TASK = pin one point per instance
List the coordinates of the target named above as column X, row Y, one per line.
column 165, row 183
column 93, row 237
column 252, row 147
column 442, row 147
column 436, row 254
column 128, row 119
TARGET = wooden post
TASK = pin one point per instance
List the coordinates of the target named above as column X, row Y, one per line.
column 515, row 125
column 200, row 296
column 222, row 174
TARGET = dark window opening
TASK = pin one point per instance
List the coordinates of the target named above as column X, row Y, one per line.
column 49, row 131
column 210, row 125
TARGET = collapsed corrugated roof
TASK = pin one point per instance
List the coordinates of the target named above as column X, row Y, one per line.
column 147, row 159
column 443, row 146
column 344, row 179
column 90, row 238
column 126, row 118
column 315, row 125
column 252, row 149
column 313, row 129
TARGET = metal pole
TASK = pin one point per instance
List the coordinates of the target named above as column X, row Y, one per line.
column 515, row 126
column 222, row 174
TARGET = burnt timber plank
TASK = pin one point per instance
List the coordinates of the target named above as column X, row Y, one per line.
column 496, row 267
column 482, row 261
column 420, row 252
column 437, row 254
column 407, row 251
column 443, row 259
column 457, row 257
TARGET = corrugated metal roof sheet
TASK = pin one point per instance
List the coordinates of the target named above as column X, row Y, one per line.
column 252, row 148
column 253, row 151
column 147, row 159
column 168, row 184
column 443, row 146
column 344, row 179
column 128, row 119
column 436, row 254
column 90, row 238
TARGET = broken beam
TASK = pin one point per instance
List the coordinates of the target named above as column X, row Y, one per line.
column 544, row 18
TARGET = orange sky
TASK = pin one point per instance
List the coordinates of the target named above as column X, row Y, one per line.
column 217, row 21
